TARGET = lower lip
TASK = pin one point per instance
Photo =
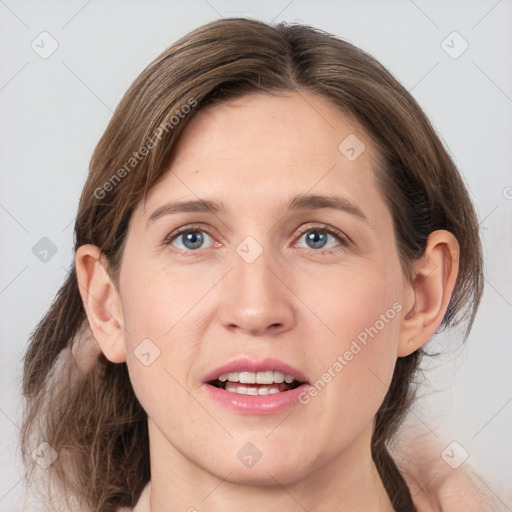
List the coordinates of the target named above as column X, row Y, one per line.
column 256, row 404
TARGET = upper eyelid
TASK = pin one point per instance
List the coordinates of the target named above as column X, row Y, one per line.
column 189, row 227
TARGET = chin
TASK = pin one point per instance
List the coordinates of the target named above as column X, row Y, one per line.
column 264, row 472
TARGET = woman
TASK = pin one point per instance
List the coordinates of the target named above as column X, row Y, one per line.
column 270, row 232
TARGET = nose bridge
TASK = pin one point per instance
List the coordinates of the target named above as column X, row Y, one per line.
column 252, row 267
column 255, row 298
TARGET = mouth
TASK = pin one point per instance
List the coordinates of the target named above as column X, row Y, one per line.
column 266, row 382
column 255, row 387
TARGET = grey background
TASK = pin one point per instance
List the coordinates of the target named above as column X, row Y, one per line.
column 54, row 111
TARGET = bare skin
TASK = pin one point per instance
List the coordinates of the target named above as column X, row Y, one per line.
column 300, row 304
column 434, row 485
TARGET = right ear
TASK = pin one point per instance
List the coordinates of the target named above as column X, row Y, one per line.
column 101, row 301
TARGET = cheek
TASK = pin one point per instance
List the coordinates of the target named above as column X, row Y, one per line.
column 359, row 313
column 350, row 300
column 156, row 299
column 156, row 308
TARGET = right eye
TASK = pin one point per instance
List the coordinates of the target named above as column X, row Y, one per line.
column 189, row 239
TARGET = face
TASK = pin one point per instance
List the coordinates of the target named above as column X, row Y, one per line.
column 256, row 281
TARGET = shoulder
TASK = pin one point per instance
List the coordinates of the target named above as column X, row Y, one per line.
column 453, row 492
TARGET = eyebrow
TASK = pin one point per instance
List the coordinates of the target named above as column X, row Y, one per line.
column 298, row 202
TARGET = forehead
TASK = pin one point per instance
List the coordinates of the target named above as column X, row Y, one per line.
column 280, row 129
column 262, row 149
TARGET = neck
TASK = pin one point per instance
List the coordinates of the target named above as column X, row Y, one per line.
column 348, row 482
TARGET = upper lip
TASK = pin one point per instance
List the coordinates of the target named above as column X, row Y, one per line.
column 245, row 364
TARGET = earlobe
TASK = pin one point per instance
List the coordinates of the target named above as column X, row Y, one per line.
column 428, row 295
column 101, row 302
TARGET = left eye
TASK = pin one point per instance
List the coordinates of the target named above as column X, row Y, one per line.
column 318, row 239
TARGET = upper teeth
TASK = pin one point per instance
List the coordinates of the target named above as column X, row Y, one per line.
column 268, row 377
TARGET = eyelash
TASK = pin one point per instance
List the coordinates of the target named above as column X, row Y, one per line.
column 341, row 237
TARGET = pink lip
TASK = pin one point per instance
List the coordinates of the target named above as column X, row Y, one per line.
column 247, row 365
column 255, row 404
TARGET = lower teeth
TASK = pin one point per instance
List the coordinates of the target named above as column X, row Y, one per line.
column 262, row 389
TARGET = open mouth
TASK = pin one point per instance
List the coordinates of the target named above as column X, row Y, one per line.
column 255, row 383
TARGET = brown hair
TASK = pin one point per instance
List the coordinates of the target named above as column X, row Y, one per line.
column 93, row 419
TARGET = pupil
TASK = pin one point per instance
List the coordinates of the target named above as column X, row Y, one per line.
column 192, row 239
column 316, row 239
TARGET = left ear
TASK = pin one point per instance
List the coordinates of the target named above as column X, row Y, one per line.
column 426, row 298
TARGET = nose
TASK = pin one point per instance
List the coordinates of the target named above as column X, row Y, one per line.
column 256, row 297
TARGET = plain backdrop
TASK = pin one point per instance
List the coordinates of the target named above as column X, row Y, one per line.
column 54, row 109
